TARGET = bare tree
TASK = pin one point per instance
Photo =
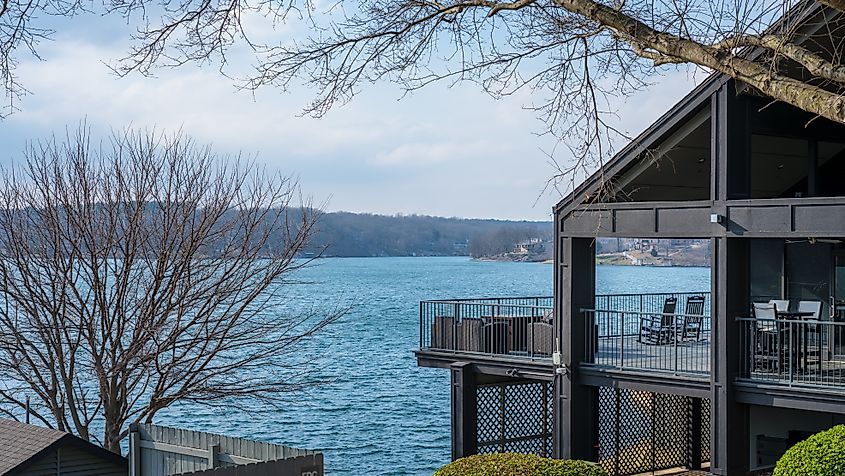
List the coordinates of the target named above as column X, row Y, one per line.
column 143, row 274
column 575, row 55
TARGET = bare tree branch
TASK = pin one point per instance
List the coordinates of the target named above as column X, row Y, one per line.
column 144, row 274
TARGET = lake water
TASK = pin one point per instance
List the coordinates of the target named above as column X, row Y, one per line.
column 380, row 414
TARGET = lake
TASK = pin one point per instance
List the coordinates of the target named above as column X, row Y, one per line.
column 380, row 414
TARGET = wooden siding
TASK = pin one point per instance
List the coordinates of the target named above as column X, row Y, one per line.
column 72, row 461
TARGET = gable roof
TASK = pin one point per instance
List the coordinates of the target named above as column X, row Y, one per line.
column 19, row 442
column 669, row 121
column 22, row 444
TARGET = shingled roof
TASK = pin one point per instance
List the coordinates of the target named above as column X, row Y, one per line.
column 22, row 444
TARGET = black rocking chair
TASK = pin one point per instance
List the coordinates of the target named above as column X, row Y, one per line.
column 693, row 317
column 659, row 329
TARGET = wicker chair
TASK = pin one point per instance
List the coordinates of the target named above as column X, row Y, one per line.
column 540, row 338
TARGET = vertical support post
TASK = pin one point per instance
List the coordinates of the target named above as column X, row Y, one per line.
column 694, row 434
column 464, row 411
column 577, row 433
column 213, row 452
column 729, row 419
column 134, row 450
column 730, row 288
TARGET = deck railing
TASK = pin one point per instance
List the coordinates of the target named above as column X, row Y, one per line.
column 523, row 327
column 649, row 302
column 632, row 340
column 519, row 327
column 793, row 352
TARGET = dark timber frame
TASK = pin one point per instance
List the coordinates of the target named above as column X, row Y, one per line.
column 732, row 220
column 739, row 218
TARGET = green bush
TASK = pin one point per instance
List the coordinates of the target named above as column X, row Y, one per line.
column 515, row 464
column 822, row 454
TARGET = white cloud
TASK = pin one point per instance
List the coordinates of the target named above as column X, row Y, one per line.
column 447, row 151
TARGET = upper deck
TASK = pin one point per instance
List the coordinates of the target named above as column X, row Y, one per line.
column 633, row 337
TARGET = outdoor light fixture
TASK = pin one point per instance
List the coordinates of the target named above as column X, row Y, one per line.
column 716, row 218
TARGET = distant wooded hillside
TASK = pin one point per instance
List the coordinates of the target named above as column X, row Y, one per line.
column 360, row 234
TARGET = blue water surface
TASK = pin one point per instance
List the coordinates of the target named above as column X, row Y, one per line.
column 378, row 413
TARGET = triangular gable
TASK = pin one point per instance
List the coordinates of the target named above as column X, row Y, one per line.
column 692, row 103
column 666, row 125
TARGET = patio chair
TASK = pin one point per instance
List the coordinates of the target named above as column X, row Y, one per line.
column 693, row 318
column 443, row 332
column 781, row 305
column 495, row 337
column 766, row 337
column 811, row 306
column 540, row 337
column 469, row 335
column 814, row 351
column 660, row 328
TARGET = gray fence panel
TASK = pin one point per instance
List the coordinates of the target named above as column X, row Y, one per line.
column 309, row 465
column 161, row 451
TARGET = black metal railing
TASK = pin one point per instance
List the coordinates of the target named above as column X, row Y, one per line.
column 517, row 327
column 654, row 341
column 523, row 327
column 649, row 302
column 793, row 351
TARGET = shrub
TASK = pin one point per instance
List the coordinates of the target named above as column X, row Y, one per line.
column 822, row 454
column 515, row 464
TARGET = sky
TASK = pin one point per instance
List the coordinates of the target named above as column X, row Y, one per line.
column 446, row 150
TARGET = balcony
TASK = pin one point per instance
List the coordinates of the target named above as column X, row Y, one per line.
column 522, row 329
column 518, row 328
column 795, row 353
column 666, row 333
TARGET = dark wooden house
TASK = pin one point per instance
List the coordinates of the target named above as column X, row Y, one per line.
column 29, row 450
column 722, row 379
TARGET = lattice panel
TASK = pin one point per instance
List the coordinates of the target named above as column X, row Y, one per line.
column 515, row 416
column 705, row 429
column 489, row 405
column 645, row 431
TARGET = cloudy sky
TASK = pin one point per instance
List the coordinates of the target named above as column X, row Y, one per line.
column 448, row 151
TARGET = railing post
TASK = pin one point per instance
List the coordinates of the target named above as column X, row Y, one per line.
column 791, row 352
column 622, row 339
column 457, row 315
column 675, row 342
column 422, row 334
column 134, row 450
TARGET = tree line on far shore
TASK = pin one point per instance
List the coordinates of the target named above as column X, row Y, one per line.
column 345, row 234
